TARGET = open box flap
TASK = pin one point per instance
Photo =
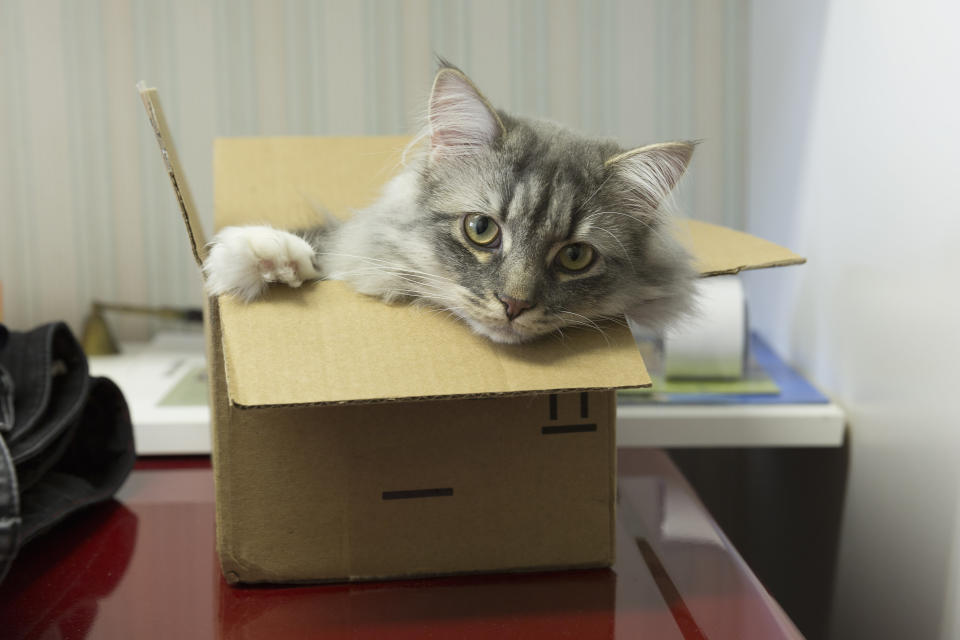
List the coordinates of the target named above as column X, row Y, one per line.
column 323, row 343
column 171, row 161
column 720, row 250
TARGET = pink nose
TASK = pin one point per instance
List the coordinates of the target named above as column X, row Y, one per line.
column 513, row 307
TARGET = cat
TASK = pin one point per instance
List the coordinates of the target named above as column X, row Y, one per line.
column 519, row 227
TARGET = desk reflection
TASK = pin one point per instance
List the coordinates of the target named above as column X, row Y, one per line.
column 146, row 567
column 578, row 604
column 58, row 582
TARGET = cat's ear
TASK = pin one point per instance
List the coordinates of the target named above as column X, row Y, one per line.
column 461, row 119
column 650, row 173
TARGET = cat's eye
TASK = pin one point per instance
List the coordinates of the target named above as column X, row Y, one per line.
column 481, row 230
column 575, row 257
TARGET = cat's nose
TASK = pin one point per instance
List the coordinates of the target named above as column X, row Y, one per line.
column 512, row 306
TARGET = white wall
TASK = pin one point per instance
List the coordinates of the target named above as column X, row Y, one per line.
column 854, row 129
column 85, row 207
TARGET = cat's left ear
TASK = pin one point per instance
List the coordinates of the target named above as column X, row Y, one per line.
column 650, row 173
column 461, row 119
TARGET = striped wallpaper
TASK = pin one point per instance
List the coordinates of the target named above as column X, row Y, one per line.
column 86, row 211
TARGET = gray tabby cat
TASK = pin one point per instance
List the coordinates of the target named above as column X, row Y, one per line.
column 520, row 227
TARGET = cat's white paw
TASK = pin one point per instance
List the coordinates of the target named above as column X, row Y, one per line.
column 244, row 260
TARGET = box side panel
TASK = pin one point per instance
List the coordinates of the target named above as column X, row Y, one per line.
column 258, row 475
column 219, row 428
column 360, row 492
column 524, row 490
column 611, row 401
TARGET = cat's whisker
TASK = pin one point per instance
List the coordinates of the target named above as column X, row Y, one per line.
column 386, row 263
column 411, row 278
column 579, row 315
column 414, row 296
column 418, row 288
column 636, row 219
column 414, row 279
column 643, row 223
column 595, row 192
column 587, row 322
column 623, row 249
column 446, row 309
column 434, row 297
column 616, row 320
column 654, row 229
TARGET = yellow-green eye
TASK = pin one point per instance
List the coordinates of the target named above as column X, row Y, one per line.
column 575, row 257
column 481, row 230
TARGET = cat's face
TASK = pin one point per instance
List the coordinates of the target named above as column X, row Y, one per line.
column 542, row 228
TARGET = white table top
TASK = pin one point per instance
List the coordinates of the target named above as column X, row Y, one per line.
column 147, row 372
column 742, row 425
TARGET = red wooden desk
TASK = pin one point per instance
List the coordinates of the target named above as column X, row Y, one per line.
column 144, row 567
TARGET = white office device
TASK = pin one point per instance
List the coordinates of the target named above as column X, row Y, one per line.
column 165, row 384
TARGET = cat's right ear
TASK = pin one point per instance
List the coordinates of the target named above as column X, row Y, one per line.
column 461, row 120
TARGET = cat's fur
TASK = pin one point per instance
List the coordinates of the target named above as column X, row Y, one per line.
column 545, row 186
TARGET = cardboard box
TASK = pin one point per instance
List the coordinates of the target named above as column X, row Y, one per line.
column 355, row 440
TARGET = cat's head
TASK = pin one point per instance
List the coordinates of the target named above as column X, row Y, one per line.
column 543, row 228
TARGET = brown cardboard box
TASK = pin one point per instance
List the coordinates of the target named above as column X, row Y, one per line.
column 355, row 440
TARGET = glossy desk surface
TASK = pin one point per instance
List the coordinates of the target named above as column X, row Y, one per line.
column 144, row 566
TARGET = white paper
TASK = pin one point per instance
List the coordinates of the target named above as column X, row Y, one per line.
column 711, row 344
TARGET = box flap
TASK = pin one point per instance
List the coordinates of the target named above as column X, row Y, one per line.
column 158, row 121
column 723, row 251
column 286, row 350
column 286, row 180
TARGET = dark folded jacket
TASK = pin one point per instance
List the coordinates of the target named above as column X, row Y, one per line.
column 66, row 440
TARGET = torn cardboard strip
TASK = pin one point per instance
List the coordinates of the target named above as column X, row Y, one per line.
column 171, row 161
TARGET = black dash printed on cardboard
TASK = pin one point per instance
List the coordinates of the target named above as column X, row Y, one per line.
column 567, row 428
column 584, row 404
column 418, row 493
column 553, row 406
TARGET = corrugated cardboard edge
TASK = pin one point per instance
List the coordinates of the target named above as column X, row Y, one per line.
column 458, row 396
column 255, row 579
column 151, row 102
column 218, row 405
column 723, row 238
column 231, row 564
column 612, row 449
column 766, row 265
